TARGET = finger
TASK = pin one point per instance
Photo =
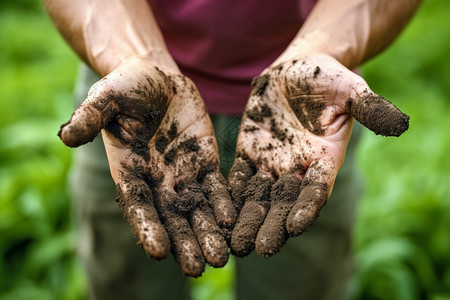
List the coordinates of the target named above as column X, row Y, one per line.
column 377, row 113
column 209, row 236
column 272, row 235
column 314, row 193
column 215, row 187
column 204, row 225
column 240, row 173
column 252, row 215
column 87, row 120
column 136, row 201
column 185, row 247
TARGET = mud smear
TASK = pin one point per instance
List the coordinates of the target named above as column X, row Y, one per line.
column 313, row 197
column 164, row 138
column 190, row 145
column 209, row 236
column 308, row 111
column 316, row 72
column 379, row 115
column 240, row 173
column 203, row 223
column 272, row 235
column 258, row 114
column 147, row 105
column 250, row 128
column 252, row 215
column 214, row 186
column 259, row 84
column 137, row 207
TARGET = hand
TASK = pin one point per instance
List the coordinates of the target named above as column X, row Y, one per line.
column 291, row 144
column 163, row 158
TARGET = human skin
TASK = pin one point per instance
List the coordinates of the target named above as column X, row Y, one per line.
column 141, row 77
column 135, row 106
column 313, row 98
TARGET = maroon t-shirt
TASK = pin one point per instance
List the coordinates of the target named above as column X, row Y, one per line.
column 221, row 45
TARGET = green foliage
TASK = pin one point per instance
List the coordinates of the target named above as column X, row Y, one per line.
column 402, row 238
column 402, row 235
column 36, row 238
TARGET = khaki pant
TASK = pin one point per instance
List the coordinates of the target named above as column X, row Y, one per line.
column 315, row 265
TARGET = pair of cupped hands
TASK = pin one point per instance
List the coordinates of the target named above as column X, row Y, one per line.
column 164, row 159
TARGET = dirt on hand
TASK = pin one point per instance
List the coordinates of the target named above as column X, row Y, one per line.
column 378, row 115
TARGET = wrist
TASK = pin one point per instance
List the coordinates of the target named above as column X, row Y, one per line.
column 318, row 42
column 105, row 63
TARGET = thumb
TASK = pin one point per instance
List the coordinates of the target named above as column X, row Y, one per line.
column 376, row 113
column 88, row 119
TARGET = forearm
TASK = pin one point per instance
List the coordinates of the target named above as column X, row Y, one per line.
column 352, row 31
column 106, row 32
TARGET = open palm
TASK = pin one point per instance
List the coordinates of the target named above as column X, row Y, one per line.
column 291, row 144
column 163, row 158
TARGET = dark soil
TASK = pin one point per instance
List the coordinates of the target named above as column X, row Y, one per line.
column 250, row 128
column 214, row 187
column 170, row 156
column 138, row 210
column 316, row 72
column 132, row 117
column 308, row 112
column 252, row 215
column 258, row 113
column 379, row 115
column 240, row 173
column 187, row 146
column 272, row 235
column 259, row 84
column 313, row 197
column 164, row 138
column 190, row 145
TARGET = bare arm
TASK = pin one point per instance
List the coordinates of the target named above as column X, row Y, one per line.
column 106, row 32
column 351, row 31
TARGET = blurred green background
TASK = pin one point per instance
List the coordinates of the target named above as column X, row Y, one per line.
column 402, row 237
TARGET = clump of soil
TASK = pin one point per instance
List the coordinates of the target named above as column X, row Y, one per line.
column 190, row 145
column 215, row 189
column 170, row 156
column 272, row 235
column 250, row 128
column 258, row 113
column 259, row 84
column 240, row 173
column 379, row 115
column 313, row 197
column 137, row 207
column 316, row 72
column 308, row 112
column 164, row 138
column 257, row 203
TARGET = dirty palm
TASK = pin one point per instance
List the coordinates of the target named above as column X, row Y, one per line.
column 164, row 158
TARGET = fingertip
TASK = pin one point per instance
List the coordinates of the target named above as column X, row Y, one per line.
column 378, row 114
column 185, row 247
column 240, row 173
column 247, row 227
column 137, row 206
column 307, row 207
column 209, row 237
column 84, row 125
column 74, row 136
column 253, row 213
column 272, row 235
column 151, row 235
column 216, row 191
